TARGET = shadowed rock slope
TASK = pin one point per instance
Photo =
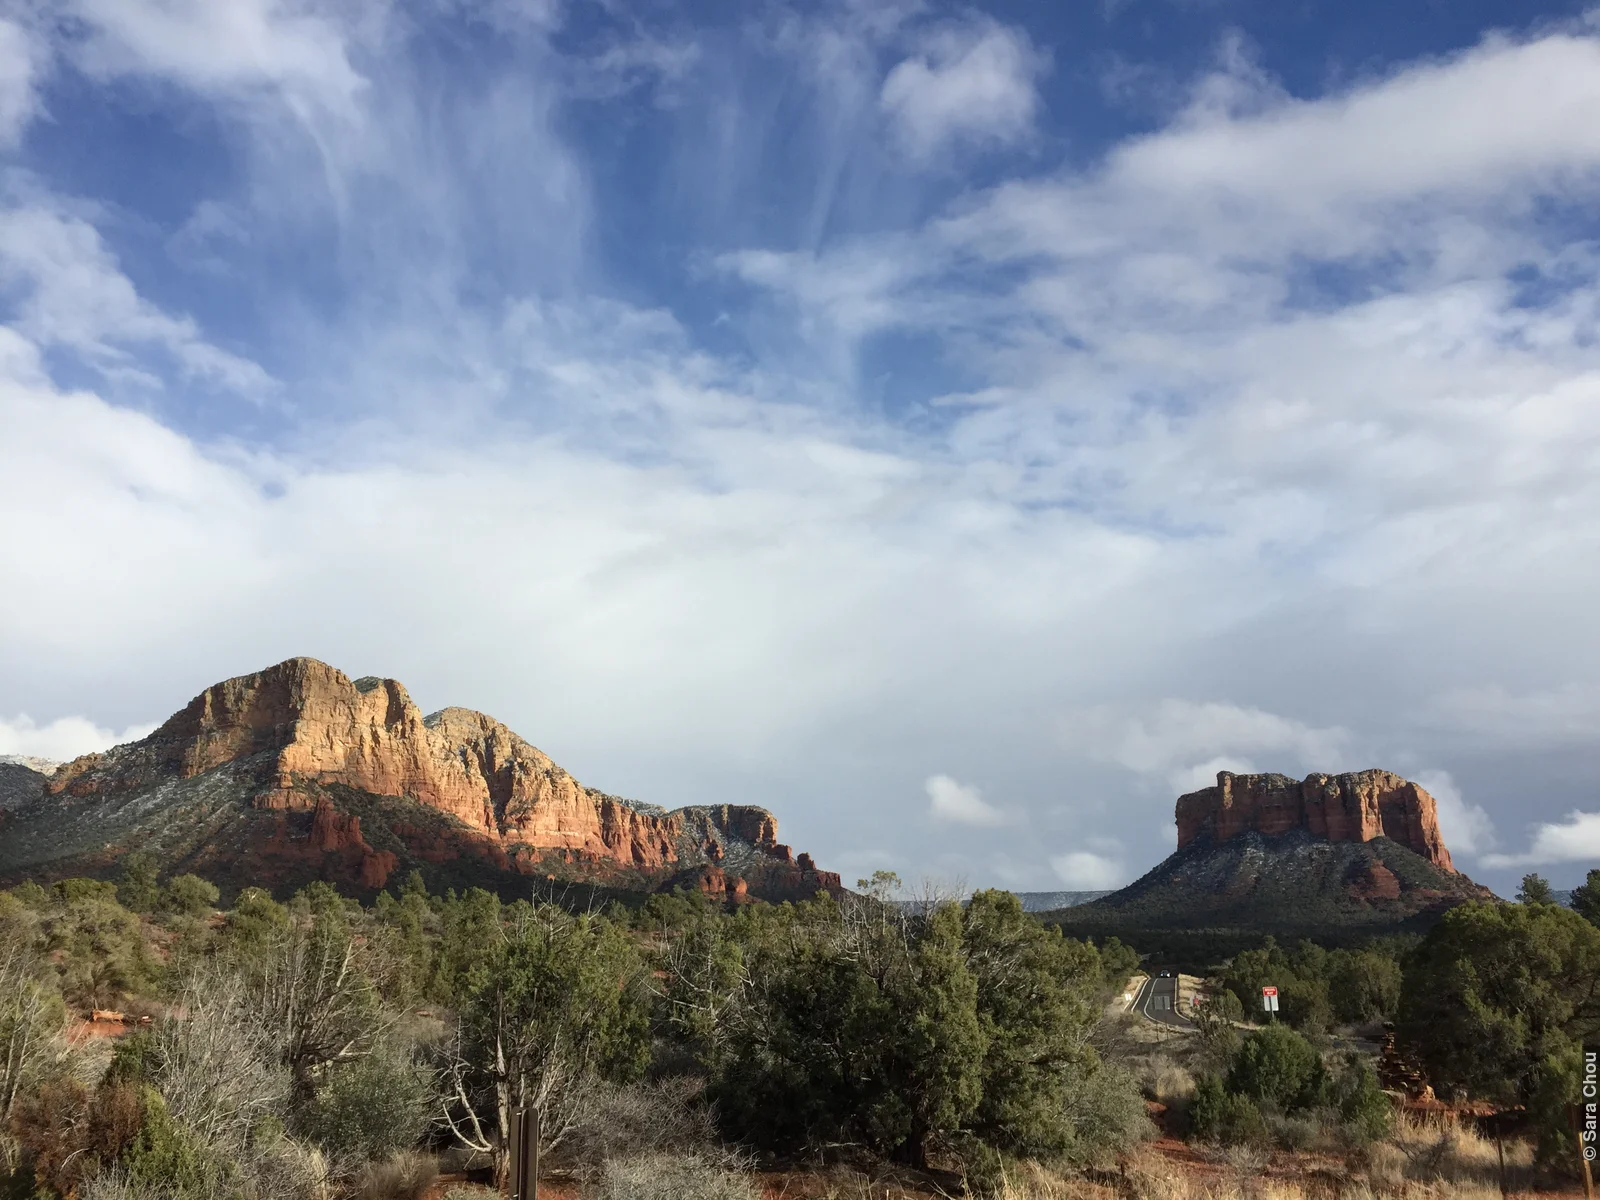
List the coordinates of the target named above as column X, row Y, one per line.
column 297, row 773
column 1353, row 853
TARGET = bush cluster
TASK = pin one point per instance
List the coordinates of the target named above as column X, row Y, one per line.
column 316, row 1048
column 1279, row 1085
column 1320, row 988
column 1499, row 1001
column 910, row 1033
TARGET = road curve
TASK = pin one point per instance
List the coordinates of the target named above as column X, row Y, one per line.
column 1158, row 1000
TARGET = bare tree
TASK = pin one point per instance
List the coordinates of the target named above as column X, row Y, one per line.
column 314, row 993
column 706, row 981
column 217, row 1064
column 31, row 1026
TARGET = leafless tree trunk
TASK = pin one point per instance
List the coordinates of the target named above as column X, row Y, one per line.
column 30, row 1028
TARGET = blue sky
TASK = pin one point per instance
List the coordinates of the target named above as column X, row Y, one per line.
column 957, row 428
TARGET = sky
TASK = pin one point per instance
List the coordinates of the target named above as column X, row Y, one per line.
column 959, row 429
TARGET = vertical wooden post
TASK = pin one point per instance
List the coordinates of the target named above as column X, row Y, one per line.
column 1500, row 1149
column 524, row 1174
column 1576, row 1115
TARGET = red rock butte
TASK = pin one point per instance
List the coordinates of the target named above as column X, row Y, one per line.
column 1354, row 807
column 302, row 724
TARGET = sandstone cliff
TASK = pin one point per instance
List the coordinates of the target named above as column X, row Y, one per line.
column 303, row 738
column 1327, row 855
column 1355, row 807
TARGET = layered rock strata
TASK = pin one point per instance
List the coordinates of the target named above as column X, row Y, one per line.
column 302, row 727
column 1354, row 807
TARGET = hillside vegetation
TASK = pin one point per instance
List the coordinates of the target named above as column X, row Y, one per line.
column 322, row 1049
column 316, row 1048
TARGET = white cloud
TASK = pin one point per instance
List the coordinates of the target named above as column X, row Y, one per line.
column 1184, row 780
column 1467, row 828
column 636, row 62
column 22, row 61
column 74, row 295
column 226, row 49
column 1469, row 125
column 1577, row 839
column 1185, row 743
column 63, row 739
column 960, row 803
column 1181, row 466
column 1083, row 870
column 973, row 84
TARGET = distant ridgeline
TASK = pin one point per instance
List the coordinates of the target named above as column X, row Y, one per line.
column 1337, row 857
column 1049, row 901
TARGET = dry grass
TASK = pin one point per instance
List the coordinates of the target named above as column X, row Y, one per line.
column 636, row 1120
column 1156, row 1180
column 1170, row 1084
column 1431, row 1157
column 1412, row 1166
column 1033, row 1182
column 405, row 1176
column 1025, row 1182
column 1436, row 1147
column 671, row 1177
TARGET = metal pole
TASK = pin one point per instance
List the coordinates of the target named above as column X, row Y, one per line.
column 524, row 1173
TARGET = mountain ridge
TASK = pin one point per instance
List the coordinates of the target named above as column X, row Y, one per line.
column 298, row 762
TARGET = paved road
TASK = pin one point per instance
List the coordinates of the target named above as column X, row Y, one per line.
column 1158, row 1000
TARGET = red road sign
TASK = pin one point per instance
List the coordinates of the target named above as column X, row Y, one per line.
column 1269, row 991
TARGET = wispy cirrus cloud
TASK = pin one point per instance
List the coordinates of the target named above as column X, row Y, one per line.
column 71, row 293
column 23, row 60
column 228, row 50
column 771, row 456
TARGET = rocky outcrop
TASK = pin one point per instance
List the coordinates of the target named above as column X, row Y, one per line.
column 715, row 882
column 1327, row 856
column 334, row 832
column 295, row 733
column 1354, row 807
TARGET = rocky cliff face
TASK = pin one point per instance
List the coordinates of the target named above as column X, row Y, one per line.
column 1291, row 884
column 1355, row 807
column 1329, row 855
column 289, row 738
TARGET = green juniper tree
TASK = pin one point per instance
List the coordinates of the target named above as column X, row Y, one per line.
column 1498, row 1001
column 1535, row 889
column 1586, row 898
column 552, row 1003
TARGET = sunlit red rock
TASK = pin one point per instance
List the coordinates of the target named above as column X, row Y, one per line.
column 1354, row 807
column 302, row 727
